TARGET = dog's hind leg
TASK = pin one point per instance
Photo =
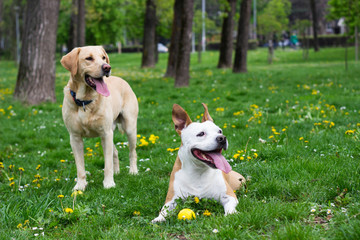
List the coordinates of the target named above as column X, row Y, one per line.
column 129, row 126
column 116, row 160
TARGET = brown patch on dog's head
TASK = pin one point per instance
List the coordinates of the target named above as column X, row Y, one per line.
column 180, row 118
column 206, row 116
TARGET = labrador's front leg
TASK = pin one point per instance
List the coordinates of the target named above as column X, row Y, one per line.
column 107, row 144
column 77, row 146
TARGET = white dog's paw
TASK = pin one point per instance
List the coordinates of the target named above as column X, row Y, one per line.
column 80, row 185
column 160, row 218
column 116, row 171
column 133, row 171
column 230, row 211
column 109, row 184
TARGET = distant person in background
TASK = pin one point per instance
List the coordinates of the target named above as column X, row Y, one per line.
column 284, row 39
column 294, row 42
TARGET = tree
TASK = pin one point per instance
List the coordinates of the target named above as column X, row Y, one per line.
column 240, row 62
column 182, row 75
column 77, row 25
column 350, row 11
column 315, row 24
column 273, row 20
column 226, row 44
column 36, row 76
column 149, row 40
column 175, row 40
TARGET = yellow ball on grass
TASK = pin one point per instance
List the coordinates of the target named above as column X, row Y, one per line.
column 186, row 214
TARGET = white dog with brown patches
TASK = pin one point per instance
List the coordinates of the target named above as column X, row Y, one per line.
column 200, row 169
column 94, row 104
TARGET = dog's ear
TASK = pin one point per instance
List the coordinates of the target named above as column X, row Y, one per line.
column 106, row 56
column 180, row 118
column 70, row 61
column 206, row 116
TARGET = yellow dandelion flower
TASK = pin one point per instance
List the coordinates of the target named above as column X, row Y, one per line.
column 26, row 222
column 196, row 200
column 38, row 167
column 77, row 192
column 69, row 210
column 301, row 138
column 60, row 196
column 21, row 169
column 272, row 136
column 12, row 184
column 62, row 161
column 255, row 155
column 236, row 155
column 19, row 225
column 207, row 213
column 136, row 213
column 11, row 179
column 242, row 158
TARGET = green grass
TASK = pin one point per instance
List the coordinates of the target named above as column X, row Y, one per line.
column 303, row 182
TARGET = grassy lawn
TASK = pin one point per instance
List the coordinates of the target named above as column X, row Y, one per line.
column 293, row 129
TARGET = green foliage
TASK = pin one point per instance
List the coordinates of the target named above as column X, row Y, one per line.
column 164, row 12
column 302, row 177
column 274, row 18
column 349, row 10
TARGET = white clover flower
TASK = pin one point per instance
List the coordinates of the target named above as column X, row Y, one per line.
column 215, row 231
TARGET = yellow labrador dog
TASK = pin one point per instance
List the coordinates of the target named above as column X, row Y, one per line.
column 94, row 104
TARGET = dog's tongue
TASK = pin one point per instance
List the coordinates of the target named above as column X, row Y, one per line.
column 101, row 87
column 220, row 162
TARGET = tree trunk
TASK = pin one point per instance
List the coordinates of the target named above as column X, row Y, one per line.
column 77, row 25
column 36, row 77
column 81, row 23
column 175, row 38
column 149, row 54
column 315, row 24
column 1, row 24
column 356, row 43
column 242, row 37
column 271, row 51
column 226, row 45
column 183, row 61
column 199, row 49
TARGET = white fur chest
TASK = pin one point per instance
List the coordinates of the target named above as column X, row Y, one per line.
column 209, row 184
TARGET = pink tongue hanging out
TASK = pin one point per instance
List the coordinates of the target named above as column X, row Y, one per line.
column 101, row 87
column 220, row 161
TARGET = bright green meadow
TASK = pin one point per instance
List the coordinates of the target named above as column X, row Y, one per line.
column 293, row 129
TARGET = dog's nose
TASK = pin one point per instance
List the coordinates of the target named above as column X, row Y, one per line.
column 106, row 68
column 221, row 139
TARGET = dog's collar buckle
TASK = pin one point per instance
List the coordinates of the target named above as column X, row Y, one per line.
column 79, row 102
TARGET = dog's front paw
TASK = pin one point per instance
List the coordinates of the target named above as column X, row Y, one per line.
column 230, row 211
column 109, row 184
column 160, row 218
column 80, row 185
column 133, row 171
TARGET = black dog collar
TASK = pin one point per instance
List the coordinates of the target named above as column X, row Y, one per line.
column 79, row 102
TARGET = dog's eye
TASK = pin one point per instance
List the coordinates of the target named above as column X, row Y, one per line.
column 220, row 131
column 104, row 57
column 200, row 134
column 89, row 58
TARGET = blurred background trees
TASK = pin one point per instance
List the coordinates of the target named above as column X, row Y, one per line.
column 123, row 26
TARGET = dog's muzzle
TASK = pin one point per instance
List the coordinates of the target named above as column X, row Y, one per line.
column 222, row 141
